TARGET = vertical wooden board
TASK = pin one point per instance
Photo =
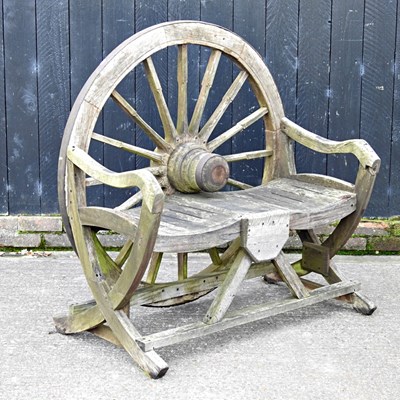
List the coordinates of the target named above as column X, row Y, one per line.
column 118, row 25
column 3, row 134
column 249, row 23
column 21, row 107
column 313, row 78
column 345, row 82
column 183, row 10
column 219, row 13
column 147, row 14
column 85, row 55
column 377, row 92
column 54, row 92
column 281, row 49
column 394, row 187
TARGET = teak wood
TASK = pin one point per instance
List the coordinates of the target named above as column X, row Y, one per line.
column 178, row 206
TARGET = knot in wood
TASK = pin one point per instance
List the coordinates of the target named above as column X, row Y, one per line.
column 191, row 168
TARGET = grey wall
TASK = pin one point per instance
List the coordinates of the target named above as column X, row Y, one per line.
column 335, row 63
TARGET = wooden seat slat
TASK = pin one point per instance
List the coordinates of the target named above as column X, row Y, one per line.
column 190, row 220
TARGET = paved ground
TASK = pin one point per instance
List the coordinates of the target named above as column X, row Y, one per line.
column 325, row 351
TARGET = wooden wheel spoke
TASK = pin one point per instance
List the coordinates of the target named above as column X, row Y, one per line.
column 151, row 155
column 238, row 184
column 206, row 85
column 240, row 126
column 249, row 155
column 154, row 267
column 131, row 202
column 147, row 129
column 223, row 105
column 156, row 88
column 123, row 254
column 182, row 266
column 182, row 78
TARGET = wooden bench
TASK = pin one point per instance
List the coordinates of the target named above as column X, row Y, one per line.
column 180, row 206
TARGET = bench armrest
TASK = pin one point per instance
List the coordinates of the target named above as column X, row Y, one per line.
column 153, row 195
column 359, row 147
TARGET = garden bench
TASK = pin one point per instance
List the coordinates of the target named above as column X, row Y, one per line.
column 181, row 206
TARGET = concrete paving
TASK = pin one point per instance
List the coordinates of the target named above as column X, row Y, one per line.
column 324, row 351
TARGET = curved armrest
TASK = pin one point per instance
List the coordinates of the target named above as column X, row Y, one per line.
column 153, row 195
column 359, row 147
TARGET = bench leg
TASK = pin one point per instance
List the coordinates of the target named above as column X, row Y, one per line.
column 229, row 287
column 360, row 302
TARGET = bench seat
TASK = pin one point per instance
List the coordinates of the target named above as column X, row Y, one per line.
column 192, row 222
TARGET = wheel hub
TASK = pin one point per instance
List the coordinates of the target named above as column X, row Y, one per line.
column 191, row 168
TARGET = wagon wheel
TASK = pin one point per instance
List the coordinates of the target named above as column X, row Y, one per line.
column 184, row 155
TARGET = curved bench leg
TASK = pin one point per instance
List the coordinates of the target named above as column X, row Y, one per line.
column 360, row 302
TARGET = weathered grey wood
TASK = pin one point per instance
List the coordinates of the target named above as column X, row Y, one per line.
column 150, row 132
column 154, row 267
column 248, row 155
column 240, row 126
column 360, row 148
column 159, row 293
column 182, row 266
column 206, row 85
column 244, row 316
column 156, row 88
column 181, row 210
column 128, row 147
column 263, row 236
column 238, row 184
column 182, row 78
column 288, row 275
column 228, row 289
column 229, row 96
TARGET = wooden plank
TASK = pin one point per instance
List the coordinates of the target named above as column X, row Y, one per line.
column 183, row 10
column 281, row 38
column 21, row 107
column 117, row 25
column 250, row 25
column 219, row 13
column 345, row 82
column 85, row 19
column 53, row 92
column 377, row 91
column 244, row 316
column 394, row 196
column 227, row 291
column 3, row 136
column 290, row 277
column 313, row 77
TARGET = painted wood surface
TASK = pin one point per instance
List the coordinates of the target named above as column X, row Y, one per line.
column 3, row 137
column 313, row 90
column 53, row 90
column 377, row 89
column 333, row 63
column 22, row 107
